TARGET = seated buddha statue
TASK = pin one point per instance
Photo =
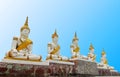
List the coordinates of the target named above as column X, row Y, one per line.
column 104, row 62
column 91, row 56
column 54, row 50
column 22, row 46
column 103, row 58
column 75, row 49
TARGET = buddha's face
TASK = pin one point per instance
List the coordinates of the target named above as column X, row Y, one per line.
column 55, row 40
column 75, row 42
column 25, row 33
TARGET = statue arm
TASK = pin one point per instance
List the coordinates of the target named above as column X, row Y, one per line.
column 71, row 47
column 102, row 60
column 49, row 48
column 30, row 48
column 14, row 43
column 13, row 51
column 88, row 55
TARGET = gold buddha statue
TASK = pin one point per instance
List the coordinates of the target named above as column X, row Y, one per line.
column 91, row 55
column 54, row 49
column 75, row 49
column 22, row 46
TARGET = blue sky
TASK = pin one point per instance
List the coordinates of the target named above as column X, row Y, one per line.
column 95, row 21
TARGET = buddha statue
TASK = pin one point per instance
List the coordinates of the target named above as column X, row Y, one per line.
column 22, row 46
column 91, row 55
column 75, row 49
column 54, row 49
column 103, row 58
column 104, row 62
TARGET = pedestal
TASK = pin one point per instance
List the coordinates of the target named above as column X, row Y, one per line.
column 107, row 72
column 114, row 73
column 60, row 68
column 75, row 68
column 86, row 68
column 14, row 68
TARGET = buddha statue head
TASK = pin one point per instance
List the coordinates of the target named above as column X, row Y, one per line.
column 25, row 30
column 75, row 39
column 55, row 37
column 91, row 48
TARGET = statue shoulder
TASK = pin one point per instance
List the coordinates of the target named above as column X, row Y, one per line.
column 30, row 41
column 89, row 54
column 72, row 46
column 49, row 44
column 15, row 38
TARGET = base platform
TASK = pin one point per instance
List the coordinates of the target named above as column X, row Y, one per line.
column 85, row 67
column 107, row 72
column 75, row 68
column 15, row 68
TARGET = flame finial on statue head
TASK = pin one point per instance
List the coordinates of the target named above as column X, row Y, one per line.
column 91, row 47
column 25, row 26
column 75, row 37
column 55, row 34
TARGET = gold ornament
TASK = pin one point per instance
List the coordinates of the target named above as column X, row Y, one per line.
column 103, row 52
column 75, row 37
column 91, row 47
column 55, row 34
column 25, row 26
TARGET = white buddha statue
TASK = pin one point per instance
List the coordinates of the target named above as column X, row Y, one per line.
column 103, row 58
column 54, row 50
column 22, row 46
column 91, row 55
column 75, row 49
column 104, row 62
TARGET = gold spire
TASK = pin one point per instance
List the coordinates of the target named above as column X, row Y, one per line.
column 91, row 47
column 75, row 37
column 103, row 52
column 25, row 26
column 26, row 22
column 55, row 34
